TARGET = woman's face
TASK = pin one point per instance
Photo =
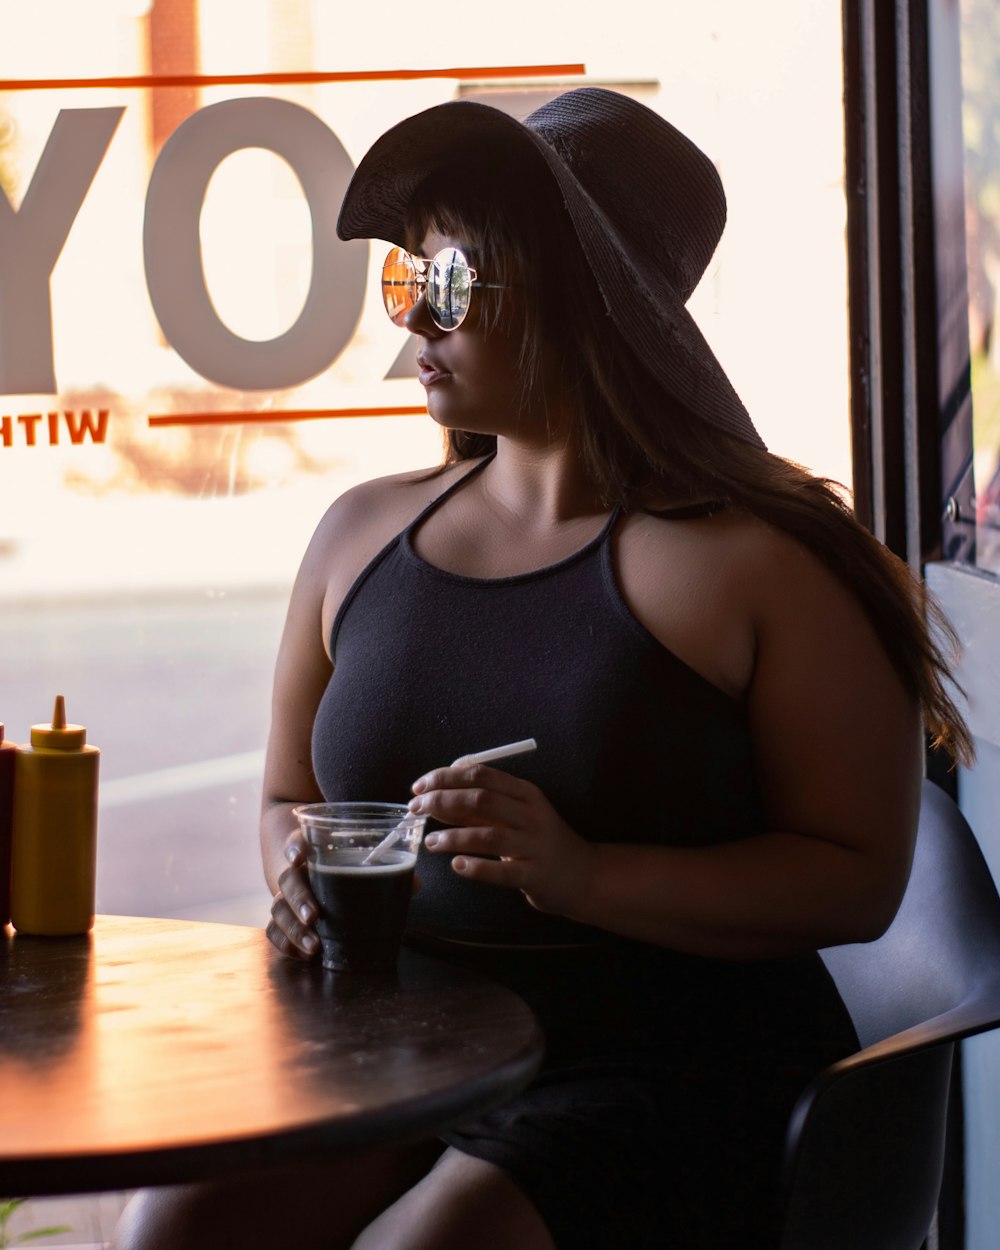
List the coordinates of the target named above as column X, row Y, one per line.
column 470, row 374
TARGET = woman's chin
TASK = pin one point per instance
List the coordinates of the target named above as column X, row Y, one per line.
column 449, row 418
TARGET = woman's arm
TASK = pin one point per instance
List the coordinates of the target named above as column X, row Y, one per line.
column 838, row 751
column 353, row 530
column 301, row 674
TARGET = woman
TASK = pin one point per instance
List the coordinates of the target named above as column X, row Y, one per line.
column 726, row 675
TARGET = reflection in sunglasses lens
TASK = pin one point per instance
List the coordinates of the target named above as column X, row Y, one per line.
column 449, row 288
column 399, row 284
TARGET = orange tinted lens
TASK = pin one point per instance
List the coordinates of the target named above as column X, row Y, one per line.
column 399, row 284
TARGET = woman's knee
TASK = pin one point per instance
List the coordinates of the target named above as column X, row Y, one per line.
column 461, row 1202
column 245, row 1213
column 311, row 1205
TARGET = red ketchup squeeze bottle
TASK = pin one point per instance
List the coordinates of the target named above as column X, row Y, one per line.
column 55, row 830
column 7, row 753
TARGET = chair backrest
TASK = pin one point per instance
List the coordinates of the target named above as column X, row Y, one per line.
column 943, row 947
column 865, row 1147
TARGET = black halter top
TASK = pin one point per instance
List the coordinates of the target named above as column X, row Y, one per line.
column 633, row 745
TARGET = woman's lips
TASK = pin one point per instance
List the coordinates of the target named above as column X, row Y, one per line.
column 430, row 372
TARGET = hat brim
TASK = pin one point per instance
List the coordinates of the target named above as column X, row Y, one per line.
column 646, row 307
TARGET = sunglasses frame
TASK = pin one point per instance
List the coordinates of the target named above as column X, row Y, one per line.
column 420, row 267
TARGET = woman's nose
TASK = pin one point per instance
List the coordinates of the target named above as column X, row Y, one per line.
column 418, row 319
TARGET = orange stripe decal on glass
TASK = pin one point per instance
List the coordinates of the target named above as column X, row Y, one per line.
column 284, row 79
column 290, row 414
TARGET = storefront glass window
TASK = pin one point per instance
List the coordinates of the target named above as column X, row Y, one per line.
column 192, row 366
column 981, row 127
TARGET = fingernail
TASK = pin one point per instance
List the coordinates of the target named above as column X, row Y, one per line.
column 292, row 854
column 432, row 840
column 310, row 944
column 305, row 911
column 417, row 805
column 459, row 863
column 419, row 785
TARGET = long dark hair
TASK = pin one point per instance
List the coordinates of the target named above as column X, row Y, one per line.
column 636, row 440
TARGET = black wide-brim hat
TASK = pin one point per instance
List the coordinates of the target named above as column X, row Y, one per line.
column 646, row 203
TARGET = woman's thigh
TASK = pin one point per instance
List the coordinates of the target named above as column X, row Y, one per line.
column 311, row 1206
column 462, row 1202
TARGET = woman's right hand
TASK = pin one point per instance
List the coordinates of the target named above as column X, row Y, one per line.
column 293, row 908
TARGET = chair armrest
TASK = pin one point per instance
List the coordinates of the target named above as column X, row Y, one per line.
column 864, row 1152
column 977, row 1013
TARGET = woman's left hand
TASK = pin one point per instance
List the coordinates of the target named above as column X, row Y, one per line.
column 504, row 831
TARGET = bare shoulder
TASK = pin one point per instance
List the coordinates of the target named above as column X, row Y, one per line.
column 690, row 582
column 367, row 516
column 358, row 524
column 382, row 497
column 755, row 569
column 793, row 594
column 720, row 542
column 724, row 589
column 790, row 598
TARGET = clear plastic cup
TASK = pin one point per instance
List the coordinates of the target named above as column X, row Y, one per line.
column 362, row 899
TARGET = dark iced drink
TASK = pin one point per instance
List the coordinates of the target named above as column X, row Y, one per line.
column 362, row 908
column 361, row 858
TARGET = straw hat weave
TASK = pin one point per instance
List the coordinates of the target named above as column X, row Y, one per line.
column 647, row 206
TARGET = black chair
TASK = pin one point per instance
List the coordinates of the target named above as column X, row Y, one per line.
column 865, row 1147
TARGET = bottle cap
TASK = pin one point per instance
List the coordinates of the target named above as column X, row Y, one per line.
column 59, row 736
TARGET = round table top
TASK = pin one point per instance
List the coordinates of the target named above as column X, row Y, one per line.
column 156, row 1051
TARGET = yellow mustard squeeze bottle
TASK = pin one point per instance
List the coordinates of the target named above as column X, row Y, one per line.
column 53, row 874
column 7, row 754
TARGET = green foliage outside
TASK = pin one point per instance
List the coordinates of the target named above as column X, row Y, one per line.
column 986, row 401
column 981, row 128
column 8, row 1238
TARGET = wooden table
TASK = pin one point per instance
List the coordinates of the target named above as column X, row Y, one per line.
column 157, row 1051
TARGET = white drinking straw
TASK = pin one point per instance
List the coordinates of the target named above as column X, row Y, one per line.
column 496, row 753
column 374, row 856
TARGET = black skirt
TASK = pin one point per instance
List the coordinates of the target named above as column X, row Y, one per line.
column 658, row 1119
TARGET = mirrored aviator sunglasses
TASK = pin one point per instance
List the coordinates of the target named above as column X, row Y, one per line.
column 446, row 281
